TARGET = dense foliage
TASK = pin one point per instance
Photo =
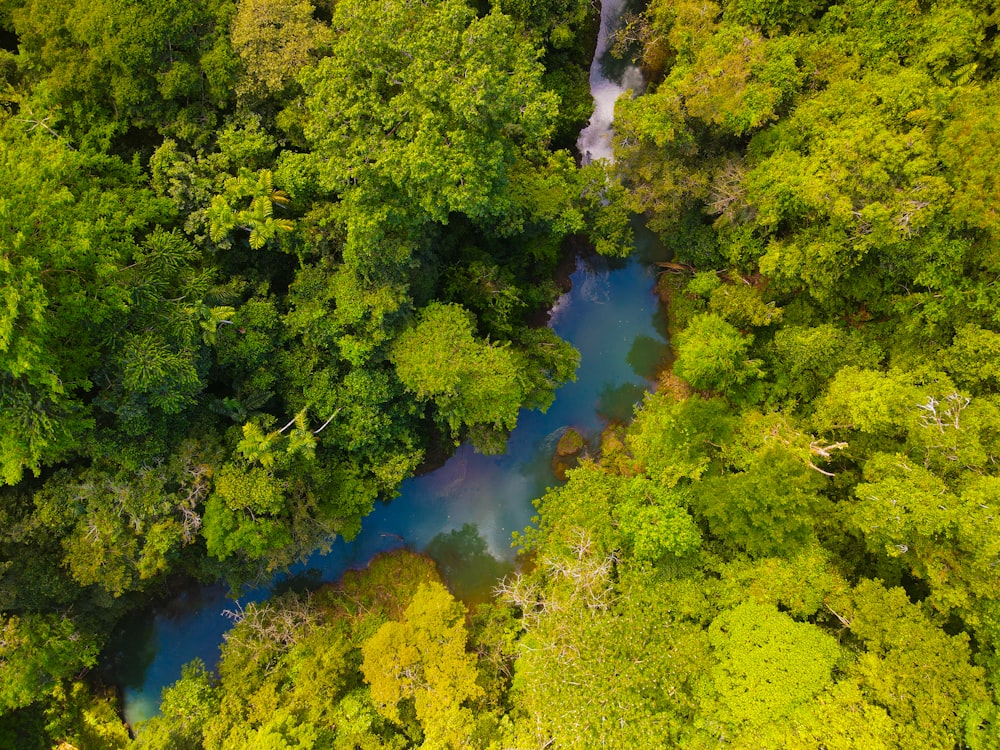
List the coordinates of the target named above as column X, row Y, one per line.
column 260, row 259
column 230, row 236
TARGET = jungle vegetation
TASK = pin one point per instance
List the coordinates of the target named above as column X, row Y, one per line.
column 263, row 259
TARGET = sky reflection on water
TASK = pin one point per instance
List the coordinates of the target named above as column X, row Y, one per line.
column 464, row 512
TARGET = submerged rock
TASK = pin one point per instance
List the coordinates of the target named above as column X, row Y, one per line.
column 570, row 443
column 568, row 451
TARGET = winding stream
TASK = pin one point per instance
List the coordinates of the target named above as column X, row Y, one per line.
column 462, row 514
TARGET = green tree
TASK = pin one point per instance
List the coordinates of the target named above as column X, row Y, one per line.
column 431, row 103
column 63, row 288
column 807, row 357
column 971, row 358
column 159, row 360
column 769, row 508
column 82, row 717
column 422, row 662
column 257, row 218
column 869, row 401
column 766, row 667
column 616, row 670
column 908, row 513
column 971, row 168
column 274, row 41
column 679, row 440
column 185, row 708
column 276, row 500
column 118, row 65
column 474, row 384
column 634, row 517
column 713, row 356
column 36, row 652
column 919, row 674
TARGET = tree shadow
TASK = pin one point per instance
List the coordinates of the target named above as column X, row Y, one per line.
column 465, row 563
column 617, row 403
column 646, row 356
column 130, row 651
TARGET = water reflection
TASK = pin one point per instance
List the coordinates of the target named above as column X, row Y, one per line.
column 464, row 560
column 645, row 356
column 131, row 671
column 616, row 403
column 463, row 514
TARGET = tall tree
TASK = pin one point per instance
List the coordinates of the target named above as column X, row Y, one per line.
column 422, row 662
column 64, row 287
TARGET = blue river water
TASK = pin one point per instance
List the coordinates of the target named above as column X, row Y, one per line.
column 463, row 513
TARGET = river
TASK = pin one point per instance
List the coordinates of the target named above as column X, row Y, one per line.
column 463, row 513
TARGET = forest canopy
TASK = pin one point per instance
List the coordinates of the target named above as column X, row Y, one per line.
column 228, row 232
column 262, row 260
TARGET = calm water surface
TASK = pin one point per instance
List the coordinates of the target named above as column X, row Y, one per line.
column 462, row 514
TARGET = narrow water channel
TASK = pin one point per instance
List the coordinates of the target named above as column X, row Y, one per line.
column 462, row 514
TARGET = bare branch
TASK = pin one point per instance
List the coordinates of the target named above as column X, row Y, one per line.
column 323, row 427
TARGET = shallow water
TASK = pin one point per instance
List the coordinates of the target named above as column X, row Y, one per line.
column 462, row 514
